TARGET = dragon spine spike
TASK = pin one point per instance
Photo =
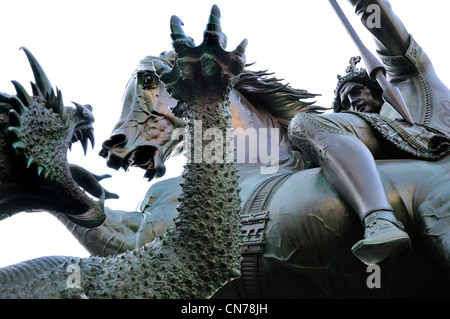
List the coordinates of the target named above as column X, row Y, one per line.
column 18, row 145
column 36, row 91
column 60, row 106
column 30, row 161
column 17, row 104
column 51, row 101
column 15, row 130
column 40, row 77
column 66, row 124
column 39, row 170
column 6, row 98
column 15, row 118
column 22, row 93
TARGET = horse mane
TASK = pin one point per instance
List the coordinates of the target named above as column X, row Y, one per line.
column 280, row 100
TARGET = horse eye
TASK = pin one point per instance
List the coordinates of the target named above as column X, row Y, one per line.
column 150, row 79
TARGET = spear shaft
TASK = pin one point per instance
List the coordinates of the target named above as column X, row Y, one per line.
column 375, row 69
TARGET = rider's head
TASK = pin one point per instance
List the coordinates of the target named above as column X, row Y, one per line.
column 356, row 91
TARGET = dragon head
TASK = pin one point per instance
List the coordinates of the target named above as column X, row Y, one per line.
column 40, row 130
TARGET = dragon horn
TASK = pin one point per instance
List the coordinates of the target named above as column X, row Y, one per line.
column 40, row 77
column 36, row 91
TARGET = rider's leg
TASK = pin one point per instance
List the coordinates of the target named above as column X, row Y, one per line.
column 344, row 146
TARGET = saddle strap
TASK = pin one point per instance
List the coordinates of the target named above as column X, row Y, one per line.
column 255, row 215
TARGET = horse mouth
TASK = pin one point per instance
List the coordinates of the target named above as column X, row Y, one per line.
column 147, row 158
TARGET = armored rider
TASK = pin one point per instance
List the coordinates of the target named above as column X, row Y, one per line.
column 364, row 128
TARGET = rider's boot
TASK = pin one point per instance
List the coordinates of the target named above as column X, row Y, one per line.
column 343, row 145
column 384, row 236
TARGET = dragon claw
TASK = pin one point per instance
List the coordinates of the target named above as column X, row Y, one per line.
column 209, row 61
column 241, row 47
column 214, row 29
column 177, row 32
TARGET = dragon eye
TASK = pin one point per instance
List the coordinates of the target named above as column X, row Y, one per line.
column 85, row 111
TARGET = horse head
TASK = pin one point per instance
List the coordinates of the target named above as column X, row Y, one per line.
column 143, row 135
column 146, row 134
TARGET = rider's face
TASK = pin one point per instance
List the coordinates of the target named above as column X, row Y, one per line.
column 358, row 97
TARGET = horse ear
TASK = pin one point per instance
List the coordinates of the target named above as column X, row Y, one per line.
column 171, row 57
column 160, row 68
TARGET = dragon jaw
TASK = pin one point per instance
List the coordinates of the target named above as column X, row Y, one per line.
column 41, row 129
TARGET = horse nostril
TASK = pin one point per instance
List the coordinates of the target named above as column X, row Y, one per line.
column 144, row 155
column 116, row 140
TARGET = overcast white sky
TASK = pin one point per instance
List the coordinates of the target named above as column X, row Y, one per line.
column 89, row 49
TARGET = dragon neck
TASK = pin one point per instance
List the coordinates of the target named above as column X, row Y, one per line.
column 208, row 224
column 204, row 244
column 201, row 252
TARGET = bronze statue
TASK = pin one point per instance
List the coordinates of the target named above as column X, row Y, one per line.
column 297, row 231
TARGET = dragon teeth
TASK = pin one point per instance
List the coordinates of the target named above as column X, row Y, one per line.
column 90, row 136
column 84, row 137
column 84, row 144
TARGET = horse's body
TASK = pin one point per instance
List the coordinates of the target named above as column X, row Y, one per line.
column 309, row 230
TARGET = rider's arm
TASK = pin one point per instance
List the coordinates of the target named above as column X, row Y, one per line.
column 390, row 34
column 408, row 66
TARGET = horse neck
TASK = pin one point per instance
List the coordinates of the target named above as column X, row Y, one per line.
column 258, row 136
